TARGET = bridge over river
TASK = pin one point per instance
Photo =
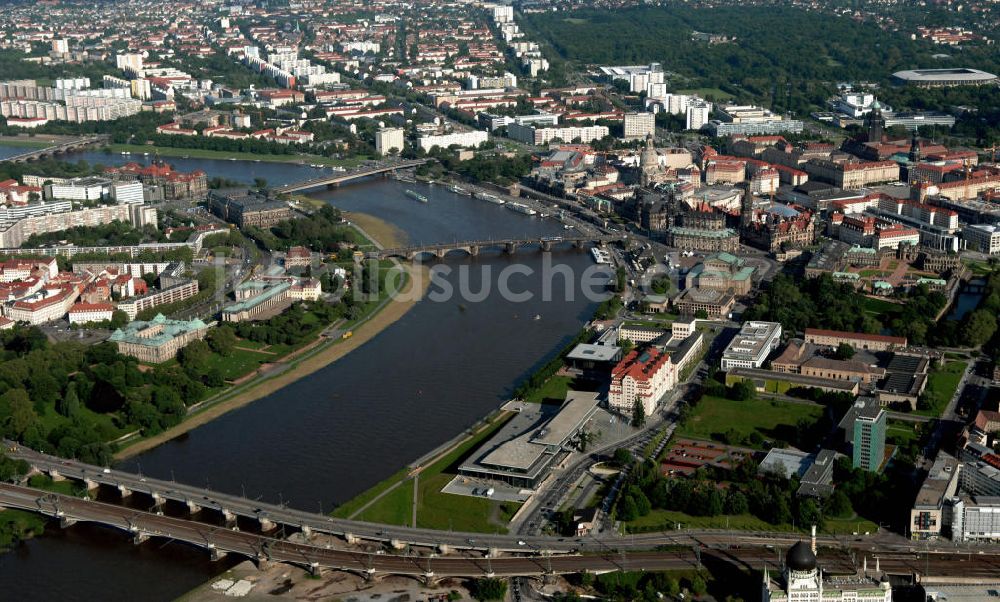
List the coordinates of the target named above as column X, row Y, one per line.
column 57, row 149
column 509, row 245
column 430, row 554
column 338, row 178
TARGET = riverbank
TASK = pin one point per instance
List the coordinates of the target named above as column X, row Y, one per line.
column 30, row 141
column 313, row 357
column 387, row 235
column 198, row 153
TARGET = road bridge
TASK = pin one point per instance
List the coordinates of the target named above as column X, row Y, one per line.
column 270, row 515
column 57, row 149
column 338, row 178
column 509, row 245
column 316, row 556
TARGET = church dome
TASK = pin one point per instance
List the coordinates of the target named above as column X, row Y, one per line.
column 800, row 558
column 649, row 159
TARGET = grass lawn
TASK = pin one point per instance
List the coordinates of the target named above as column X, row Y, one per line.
column 774, row 420
column 900, row 433
column 103, row 424
column 979, row 268
column 553, row 391
column 668, row 519
column 198, row 153
column 24, row 142
column 879, row 307
column 248, row 344
column 435, row 510
column 396, row 508
column 351, row 506
column 941, row 384
column 238, row 363
column 16, row 525
column 66, row 487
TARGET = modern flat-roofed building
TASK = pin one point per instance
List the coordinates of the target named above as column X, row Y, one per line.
column 90, row 188
column 934, row 78
column 388, row 140
column 172, row 294
column 529, row 134
column 750, row 348
column 976, row 518
column 157, row 340
column 639, row 125
column 521, row 453
column 868, row 449
column 931, row 511
column 984, row 238
column 470, row 139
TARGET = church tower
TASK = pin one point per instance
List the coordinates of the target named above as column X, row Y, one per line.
column 746, row 208
column 914, row 148
column 876, row 123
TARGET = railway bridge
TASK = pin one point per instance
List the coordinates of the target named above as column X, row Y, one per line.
column 372, row 549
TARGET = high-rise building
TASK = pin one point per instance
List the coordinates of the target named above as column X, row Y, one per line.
column 869, row 435
column 639, row 125
column 60, row 45
column 697, row 115
column 130, row 63
column 388, row 139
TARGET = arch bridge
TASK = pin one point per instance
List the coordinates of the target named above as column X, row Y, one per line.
column 473, row 247
column 57, row 149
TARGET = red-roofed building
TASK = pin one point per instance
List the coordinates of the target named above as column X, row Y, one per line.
column 13, row 193
column 83, row 313
column 858, row 340
column 176, row 185
column 645, row 374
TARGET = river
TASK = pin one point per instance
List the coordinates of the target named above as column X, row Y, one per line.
column 323, row 439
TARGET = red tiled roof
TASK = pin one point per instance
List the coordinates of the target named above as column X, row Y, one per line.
column 641, row 365
column 855, row 335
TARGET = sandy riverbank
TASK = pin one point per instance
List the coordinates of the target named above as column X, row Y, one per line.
column 388, row 235
column 418, row 276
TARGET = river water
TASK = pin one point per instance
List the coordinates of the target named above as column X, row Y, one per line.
column 323, row 439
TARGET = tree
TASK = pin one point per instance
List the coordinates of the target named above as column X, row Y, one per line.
column 838, row 505
column 744, row 390
column 979, row 328
column 118, row 319
column 622, row 457
column 222, row 340
column 844, row 352
column 736, row 503
column 638, row 413
column 697, row 585
column 701, row 314
column 488, row 589
column 69, row 404
column 20, row 416
column 194, row 357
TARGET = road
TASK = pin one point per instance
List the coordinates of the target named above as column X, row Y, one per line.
column 687, row 552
